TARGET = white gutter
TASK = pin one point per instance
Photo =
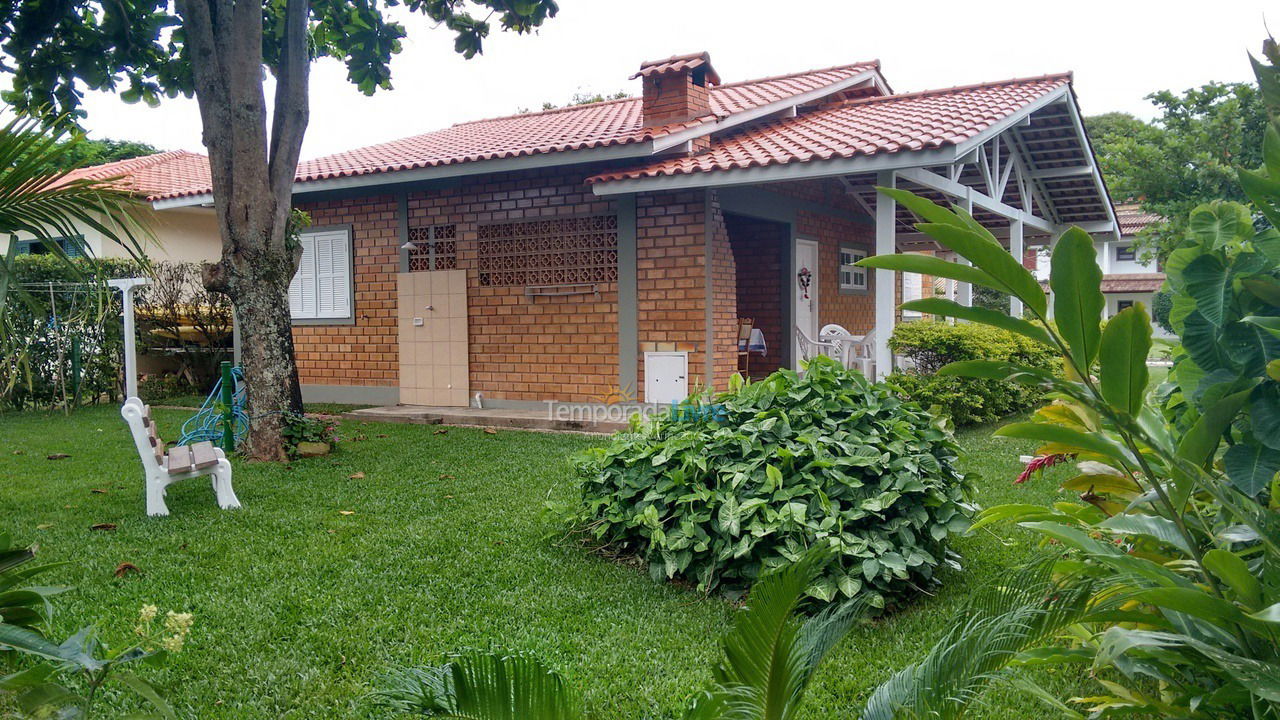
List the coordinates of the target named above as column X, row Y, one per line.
column 776, row 173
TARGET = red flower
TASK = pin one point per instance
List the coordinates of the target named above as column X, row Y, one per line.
column 1040, row 463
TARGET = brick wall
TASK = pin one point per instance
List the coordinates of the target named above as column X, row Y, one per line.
column 671, row 278
column 523, row 347
column 673, row 98
column 759, row 248
column 520, row 348
column 366, row 352
column 724, row 293
column 856, row 312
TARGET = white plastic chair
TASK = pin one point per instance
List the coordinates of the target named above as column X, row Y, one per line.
column 810, row 348
column 180, row 463
column 856, row 351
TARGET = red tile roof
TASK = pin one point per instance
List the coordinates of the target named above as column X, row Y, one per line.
column 168, row 174
column 1132, row 282
column 1133, row 218
column 867, row 126
column 602, row 124
column 679, row 63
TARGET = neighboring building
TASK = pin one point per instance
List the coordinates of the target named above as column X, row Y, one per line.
column 186, row 234
column 610, row 249
column 1126, row 279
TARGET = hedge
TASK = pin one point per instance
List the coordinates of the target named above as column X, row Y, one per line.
column 929, row 345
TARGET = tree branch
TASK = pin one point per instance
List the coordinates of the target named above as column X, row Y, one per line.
column 292, row 111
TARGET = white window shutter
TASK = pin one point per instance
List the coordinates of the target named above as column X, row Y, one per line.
column 333, row 275
column 302, row 291
column 322, row 287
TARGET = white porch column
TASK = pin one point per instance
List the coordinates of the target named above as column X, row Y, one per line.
column 964, row 290
column 1015, row 248
column 886, row 244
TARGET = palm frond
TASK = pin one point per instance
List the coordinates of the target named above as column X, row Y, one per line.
column 772, row 652
column 481, row 687
column 984, row 639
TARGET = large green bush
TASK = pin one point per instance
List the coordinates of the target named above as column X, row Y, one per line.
column 930, row 345
column 720, row 493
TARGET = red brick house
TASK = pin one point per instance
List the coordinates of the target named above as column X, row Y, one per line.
column 568, row 254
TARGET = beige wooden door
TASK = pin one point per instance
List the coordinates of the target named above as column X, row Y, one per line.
column 432, row 317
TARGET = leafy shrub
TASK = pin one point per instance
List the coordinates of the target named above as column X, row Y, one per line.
column 1164, row 575
column 1161, row 308
column 300, row 428
column 930, row 345
column 783, row 464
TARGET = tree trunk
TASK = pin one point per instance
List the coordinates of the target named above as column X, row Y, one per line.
column 252, row 175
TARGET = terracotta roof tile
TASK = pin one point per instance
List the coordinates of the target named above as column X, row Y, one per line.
column 602, row 124
column 172, row 173
column 1133, row 218
column 867, row 126
column 679, row 63
column 1132, row 282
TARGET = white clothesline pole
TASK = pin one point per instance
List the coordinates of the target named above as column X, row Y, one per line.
column 126, row 287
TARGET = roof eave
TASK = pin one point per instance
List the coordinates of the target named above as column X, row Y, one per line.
column 640, row 149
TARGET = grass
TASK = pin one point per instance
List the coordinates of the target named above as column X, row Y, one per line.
column 299, row 607
column 195, row 401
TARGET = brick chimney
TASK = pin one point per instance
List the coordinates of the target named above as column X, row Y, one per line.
column 676, row 89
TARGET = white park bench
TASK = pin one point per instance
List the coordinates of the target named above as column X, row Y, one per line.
column 179, row 463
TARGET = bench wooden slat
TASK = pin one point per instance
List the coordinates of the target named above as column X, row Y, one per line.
column 202, row 454
column 179, row 459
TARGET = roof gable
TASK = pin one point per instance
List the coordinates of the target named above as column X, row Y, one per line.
column 868, row 126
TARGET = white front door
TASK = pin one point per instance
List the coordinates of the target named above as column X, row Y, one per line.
column 805, row 287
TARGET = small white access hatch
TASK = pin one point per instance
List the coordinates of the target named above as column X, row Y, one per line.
column 666, row 377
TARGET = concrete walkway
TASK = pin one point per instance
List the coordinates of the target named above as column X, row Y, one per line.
column 487, row 417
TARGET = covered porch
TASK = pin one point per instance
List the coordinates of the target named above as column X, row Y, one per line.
column 795, row 229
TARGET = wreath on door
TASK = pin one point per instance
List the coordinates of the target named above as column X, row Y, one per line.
column 805, row 279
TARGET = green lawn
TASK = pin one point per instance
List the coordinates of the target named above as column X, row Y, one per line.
column 299, row 608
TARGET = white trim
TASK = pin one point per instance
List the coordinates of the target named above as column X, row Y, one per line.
column 1098, row 183
column 461, row 169
column 934, row 181
column 885, row 291
column 1062, row 172
column 1013, row 119
column 774, row 173
column 760, row 111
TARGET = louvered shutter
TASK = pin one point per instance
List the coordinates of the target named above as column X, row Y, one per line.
column 333, row 275
column 322, row 287
column 302, row 291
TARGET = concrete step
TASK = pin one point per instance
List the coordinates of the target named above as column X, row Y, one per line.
column 487, row 417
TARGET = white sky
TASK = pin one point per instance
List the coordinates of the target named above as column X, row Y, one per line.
column 1119, row 50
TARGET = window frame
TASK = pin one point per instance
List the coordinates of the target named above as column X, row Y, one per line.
column 1129, row 250
column 859, row 252
column 26, row 247
column 1123, row 304
column 350, row 317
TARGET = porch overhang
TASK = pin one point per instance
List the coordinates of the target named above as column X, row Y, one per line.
column 1034, row 166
